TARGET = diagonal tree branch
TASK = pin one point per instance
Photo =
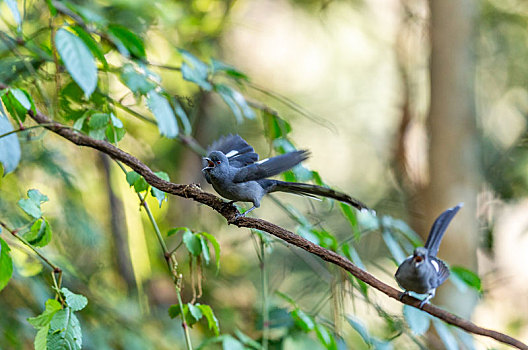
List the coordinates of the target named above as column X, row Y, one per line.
column 194, row 192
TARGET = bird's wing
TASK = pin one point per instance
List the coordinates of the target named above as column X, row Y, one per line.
column 236, row 149
column 439, row 227
column 442, row 271
column 270, row 166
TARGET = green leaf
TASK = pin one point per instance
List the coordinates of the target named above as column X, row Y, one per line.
column 136, row 180
column 37, row 196
column 41, row 339
column 98, row 134
column 12, row 4
column 371, row 341
column 132, row 177
column 65, row 331
column 205, row 250
column 116, row 121
column 287, row 298
column 278, row 318
column 235, row 101
column 174, row 311
column 449, row 340
column 306, row 232
column 40, row 233
column 325, row 337
column 417, row 319
column 31, row 205
column 129, row 40
column 113, row 134
column 93, row 45
column 176, row 230
column 160, row 107
column 230, row 343
column 468, row 277
column 14, row 107
column 212, row 321
column 98, row 120
column 192, row 242
column 75, row 301
column 159, row 194
column 242, row 103
column 219, row 66
column 51, row 7
column 244, row 338
column 228, row 99
column 194, row 70
column 381, row 345
column 393, row 246
column 6, row 264
column 352, row 254
column 216, row 247
column 187, row 129
column 78, row 125
column 275, row 126
column 351, row 217
column 195, row 311
column 78, row 60
column 395, row 224
column 136, row 82
column 305, row 322
column 141, row 185
column 9, row 146
column 21, row 98
column 360, row 328
column 44, row 319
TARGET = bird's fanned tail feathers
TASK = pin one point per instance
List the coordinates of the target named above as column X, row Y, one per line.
column 313, row 190
column 439, row 227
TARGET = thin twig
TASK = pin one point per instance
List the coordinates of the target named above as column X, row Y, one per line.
column 27, row 128
column 55, row 270
column 264, row 282
column 169, row 258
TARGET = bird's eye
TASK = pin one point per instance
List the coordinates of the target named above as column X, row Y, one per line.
column 418, row 259
column 218, row 162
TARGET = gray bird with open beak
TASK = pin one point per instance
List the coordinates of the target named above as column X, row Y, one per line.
column 235, row 172
column 423, row 272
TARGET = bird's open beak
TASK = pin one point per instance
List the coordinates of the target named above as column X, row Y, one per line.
column 210, row 164
column 417, row 259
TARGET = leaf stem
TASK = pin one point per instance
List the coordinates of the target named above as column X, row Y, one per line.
column 29, row 128
column 55, row 269
column 169, row 258
column 264, row 281
column 187, row 140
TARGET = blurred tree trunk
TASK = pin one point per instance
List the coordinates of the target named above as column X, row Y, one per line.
column 454, row 160
column 119, row 231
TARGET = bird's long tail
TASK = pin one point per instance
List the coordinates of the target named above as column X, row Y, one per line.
column 439, row 227
column 312, row 190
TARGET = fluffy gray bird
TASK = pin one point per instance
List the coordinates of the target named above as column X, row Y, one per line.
column 423, row 272
column 235, row 172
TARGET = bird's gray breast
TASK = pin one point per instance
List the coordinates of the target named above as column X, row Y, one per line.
column 249, row 191
column 419, row 280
